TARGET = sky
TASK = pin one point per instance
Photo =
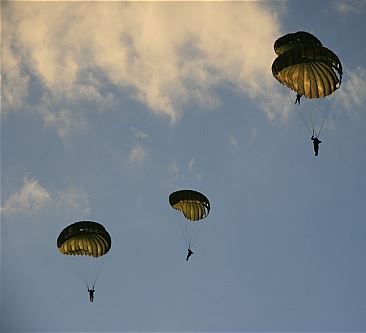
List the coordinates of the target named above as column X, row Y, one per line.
column 108, row 107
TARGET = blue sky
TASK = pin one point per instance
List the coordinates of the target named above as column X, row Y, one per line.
column 108, row 107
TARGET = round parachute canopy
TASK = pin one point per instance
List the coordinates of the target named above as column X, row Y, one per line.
column 84, row 238
column 295, row 39
column 193, row 205
column 307, row 68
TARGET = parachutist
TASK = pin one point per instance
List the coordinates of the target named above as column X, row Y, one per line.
column 190, row 252
column 316, row 143
column 309, row 69
column 91, row 294
column 298, row 96
column 195, row 207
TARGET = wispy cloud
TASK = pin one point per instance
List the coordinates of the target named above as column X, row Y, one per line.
column 173, row 169
column 64, row 121
column 137, row 154
column 352, row 91
column 253, row 135
column 139, row 134
column 166, row 54
column 233, row 141
column 192, row 169
column 191, row 164
column 31, row 198
column 182, row 174
column 347, row 6
column 75, row 200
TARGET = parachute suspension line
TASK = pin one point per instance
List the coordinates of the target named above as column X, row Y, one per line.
column 317, row 115
column 83, row 278
column 85, row 282
column 326, row 113
column 300, row 108
column 78, row 269
column 195, row 236
column 89, row 270
column 305, row 123
column 189, row 227
column 312, row 116
column 190, row 231
column 98, row 271
column 182, row 229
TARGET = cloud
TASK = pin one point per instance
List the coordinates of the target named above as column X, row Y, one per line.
column 64, row 121
column 192, row 170
column 191, row 164
column 352, row 91
column 31, row 198
column 74, row 199
column 163, row 55
column 137, row 154
column 233, row 141
column 253, row 135
column 139, row 134
column 173, row 169
column 183, row 174
column 346, row 6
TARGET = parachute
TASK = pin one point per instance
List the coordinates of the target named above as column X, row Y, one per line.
column 84, row 238
column 195, row 207
column 307, row 67
column 85, row 243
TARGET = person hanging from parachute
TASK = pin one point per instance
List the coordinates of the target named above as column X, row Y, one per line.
column 316, row 143
column 195, row 207
column 85, row 240
column 190, row 252
column 298, row 96
column 312, row 71
column 91, row 294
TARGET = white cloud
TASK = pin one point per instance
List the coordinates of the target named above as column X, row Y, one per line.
column 64, row 121
column 347, row 6
column 192, row 170
column 139, row 134
column 31, row 198
column 173, row 169
column 165, row 54
column 233, row 141
column 137, row 154
column 179, row 174
column 74, row 199
column 253, row 135
column 191, row 164
column 352, row 91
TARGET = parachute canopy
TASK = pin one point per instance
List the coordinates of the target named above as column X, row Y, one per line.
column 85, row 238
column 305, row 66
column 296, row 39
column 193, row 205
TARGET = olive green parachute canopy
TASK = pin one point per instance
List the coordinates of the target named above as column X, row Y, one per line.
column 305, row 66
column 193, row 205
column 85, row 238
column 300, row 38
